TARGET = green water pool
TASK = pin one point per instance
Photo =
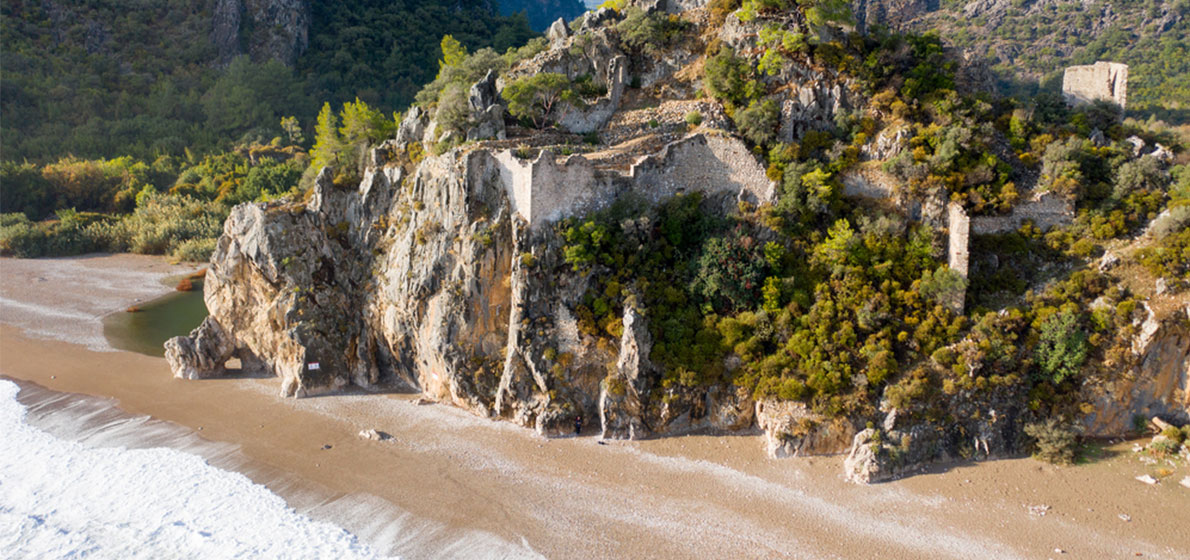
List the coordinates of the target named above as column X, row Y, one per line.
column 146, row 331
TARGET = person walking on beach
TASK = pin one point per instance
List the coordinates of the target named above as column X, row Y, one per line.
column 578, row 425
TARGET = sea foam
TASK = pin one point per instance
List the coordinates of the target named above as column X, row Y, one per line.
column 66, row 499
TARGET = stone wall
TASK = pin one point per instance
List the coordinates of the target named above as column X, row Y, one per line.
column 707, row 163
column 546, row 190
column 959, row 235
column 1045, row 210
column 1102, row 80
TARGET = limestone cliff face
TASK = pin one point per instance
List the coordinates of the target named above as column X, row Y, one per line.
column 438, row 275
column 445, row 273
column 263, row 29
column 1154, row 382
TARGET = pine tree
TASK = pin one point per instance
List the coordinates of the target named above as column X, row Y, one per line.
column 453, row 53
column 327, row 143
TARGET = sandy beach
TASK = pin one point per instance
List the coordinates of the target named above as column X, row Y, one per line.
column 449, row 484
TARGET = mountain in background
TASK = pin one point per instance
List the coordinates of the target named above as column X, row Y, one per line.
column 1032, row 41
column 542, row 13
column 107, row 78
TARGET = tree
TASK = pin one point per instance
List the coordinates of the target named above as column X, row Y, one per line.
column 944, row 286
column 292, row 129
column 1062, row 348
column 536, row 97
column 327, row 143
column 758, row 123
column 821, row 13
column 453, row 54
column 731, row 272
column 648, row 33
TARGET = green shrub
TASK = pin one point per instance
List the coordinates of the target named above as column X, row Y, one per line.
column 730, row 78
column 539, row 97
column 758, row 122
column 195, row 250
column 1053, row 441
column 21, row 238
column 649, row 33
column 1062, row 348
column 693, row 118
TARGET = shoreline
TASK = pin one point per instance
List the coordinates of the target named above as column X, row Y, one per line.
column 458, row 484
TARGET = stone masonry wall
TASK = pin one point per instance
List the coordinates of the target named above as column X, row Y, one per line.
column 1045, row 210
column 546, row 190
column 706, row 163
column 959, row 234
column 1102, row 80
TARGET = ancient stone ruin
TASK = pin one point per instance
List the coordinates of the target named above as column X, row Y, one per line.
column 1102, row 80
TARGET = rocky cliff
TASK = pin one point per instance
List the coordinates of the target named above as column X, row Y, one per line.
column 263, row 29
column 446, row 273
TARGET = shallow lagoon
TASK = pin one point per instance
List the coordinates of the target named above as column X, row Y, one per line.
column 146, row 330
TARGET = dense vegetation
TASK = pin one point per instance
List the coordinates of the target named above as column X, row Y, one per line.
column 542, row 13
column 1036, row 40
column 168, row 206
column 107, row 78
column 841, row 303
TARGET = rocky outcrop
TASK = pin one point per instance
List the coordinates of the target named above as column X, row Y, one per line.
column 487, row 114
column 262, row 29
column 623, row 396
column 202, row 354
column 444, row 275
column 594, row 53
column 791, row 429
column 957, row 427
column 1154, row 382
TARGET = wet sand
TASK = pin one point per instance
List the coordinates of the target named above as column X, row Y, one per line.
column 453, row 485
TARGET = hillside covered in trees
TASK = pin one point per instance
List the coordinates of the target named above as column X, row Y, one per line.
column 1028, row 42
column 112, row 78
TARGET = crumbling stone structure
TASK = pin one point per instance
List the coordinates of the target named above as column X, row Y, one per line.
column 1102, row 80
column 544, row 189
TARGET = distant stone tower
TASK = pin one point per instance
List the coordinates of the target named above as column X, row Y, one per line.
column 1102, row 80
column 958, row 225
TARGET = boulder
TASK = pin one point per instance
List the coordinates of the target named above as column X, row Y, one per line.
column 1163, row 154
column 558, row 31
column 1108, row 261
column 1138, row 145
column 202, row 354
column 373, row 435
column 1098, row 138
column 413, row 126
column 791, row 429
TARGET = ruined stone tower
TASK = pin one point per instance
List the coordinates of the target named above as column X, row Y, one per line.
column 1102, row 80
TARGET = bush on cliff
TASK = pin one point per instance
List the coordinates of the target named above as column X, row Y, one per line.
column 649, row 33
column 1053, row 441
column 540, row 98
